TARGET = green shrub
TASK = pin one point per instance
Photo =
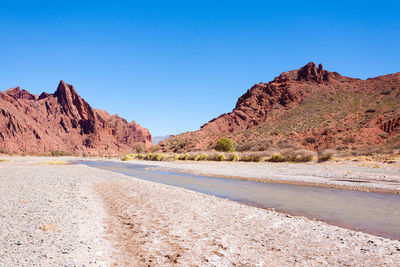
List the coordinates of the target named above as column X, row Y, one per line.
column 220, row 157
column 235, row 157
column 157, row 157
column 225, row 145
column 203, row 156
column 184, row 157
column 196, row 157
column 58, row 153
column 176, row 157
column 126, row 158
column 276, row 157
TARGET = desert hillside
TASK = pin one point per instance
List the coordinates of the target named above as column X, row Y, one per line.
column 309, row 107
column 63, row 122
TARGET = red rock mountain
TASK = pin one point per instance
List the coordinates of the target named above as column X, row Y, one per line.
column 327, row 109
column 63, row 121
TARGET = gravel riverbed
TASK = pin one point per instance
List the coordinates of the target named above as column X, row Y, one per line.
column 74, row 215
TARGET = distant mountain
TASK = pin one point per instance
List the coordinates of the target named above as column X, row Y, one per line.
column 309, row 107
column 158, row 139
column 63, row 121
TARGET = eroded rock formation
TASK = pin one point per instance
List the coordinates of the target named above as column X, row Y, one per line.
column 63, row 121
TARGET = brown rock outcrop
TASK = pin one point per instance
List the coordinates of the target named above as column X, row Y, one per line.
column 391, row 125
column 63, row 121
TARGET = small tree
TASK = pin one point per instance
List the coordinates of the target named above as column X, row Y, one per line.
column 225, row 145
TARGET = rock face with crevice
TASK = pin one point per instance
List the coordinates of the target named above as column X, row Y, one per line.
column 326, row 108
column 63, row 121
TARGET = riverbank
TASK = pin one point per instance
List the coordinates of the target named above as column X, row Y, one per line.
column 61, row 214
column 363, row 176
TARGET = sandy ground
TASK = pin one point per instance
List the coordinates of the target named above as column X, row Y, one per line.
column 50, row 216
column 66, row 215
column 364, row 176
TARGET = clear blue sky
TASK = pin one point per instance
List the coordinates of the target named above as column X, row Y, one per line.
column 173, row 65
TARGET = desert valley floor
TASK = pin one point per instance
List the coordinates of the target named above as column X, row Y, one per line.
column 55, row 214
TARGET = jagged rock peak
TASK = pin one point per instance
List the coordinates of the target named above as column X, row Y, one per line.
column 16, row 92
column 44, row 95
column 72, row 103
column 310, row 72
column 64, row 89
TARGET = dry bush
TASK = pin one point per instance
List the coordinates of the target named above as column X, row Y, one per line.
column 383, row 135
column 325, row 155
column 254, row 157
column 303, row 155
column 179, row 151
column 244, row 147
column 262, row 145
column 285, row 143
column 310, row 140
column 139, row 147
column 212, row 156
column 300, row 155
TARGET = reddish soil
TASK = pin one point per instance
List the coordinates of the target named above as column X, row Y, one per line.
column 309, row 107
column 63, row 121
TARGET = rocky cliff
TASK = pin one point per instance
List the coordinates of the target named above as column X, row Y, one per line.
column 63, row 121
column 326, row 108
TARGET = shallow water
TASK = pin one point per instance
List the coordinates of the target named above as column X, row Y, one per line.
column 373, row 213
